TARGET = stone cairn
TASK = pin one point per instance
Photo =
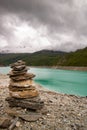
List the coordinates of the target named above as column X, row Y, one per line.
column 22, row 90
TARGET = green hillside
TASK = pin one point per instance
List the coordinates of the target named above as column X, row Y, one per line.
column 47, row 58
column 78, row 58
column 41, row 58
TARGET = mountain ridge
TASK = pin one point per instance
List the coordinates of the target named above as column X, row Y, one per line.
column 47, row 58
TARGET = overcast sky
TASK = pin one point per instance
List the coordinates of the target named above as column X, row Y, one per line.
column 32, row 25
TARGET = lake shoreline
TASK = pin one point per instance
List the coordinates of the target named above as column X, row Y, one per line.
column 61, row 111
column 75, row 68
column 69, row 82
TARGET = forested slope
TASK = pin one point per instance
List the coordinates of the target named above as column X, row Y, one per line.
column 47, row 58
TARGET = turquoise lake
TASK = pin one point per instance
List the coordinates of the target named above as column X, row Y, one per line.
column 62, row 81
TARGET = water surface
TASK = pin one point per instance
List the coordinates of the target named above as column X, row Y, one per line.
column 63, row 81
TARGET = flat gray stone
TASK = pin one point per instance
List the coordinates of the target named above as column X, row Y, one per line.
column 18, row 63
column 5, row 122
column 29, row 116
column 31, row 103
column 20, row 77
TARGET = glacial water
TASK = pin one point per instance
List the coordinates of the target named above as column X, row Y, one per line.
column 62, row 81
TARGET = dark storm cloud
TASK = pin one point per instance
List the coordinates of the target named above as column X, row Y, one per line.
column 57, row 13
column 67, row 17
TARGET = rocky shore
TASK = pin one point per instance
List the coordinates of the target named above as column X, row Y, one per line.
column 60, row 111
column 77, row 68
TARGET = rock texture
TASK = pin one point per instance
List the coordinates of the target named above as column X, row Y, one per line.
column 60, row 111
column 22, row 89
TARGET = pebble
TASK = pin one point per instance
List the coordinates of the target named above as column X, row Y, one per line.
column 48, row 114
column 18, row 124
column 66, row 113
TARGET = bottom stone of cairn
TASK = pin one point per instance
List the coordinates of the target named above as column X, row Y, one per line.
column 30, row 103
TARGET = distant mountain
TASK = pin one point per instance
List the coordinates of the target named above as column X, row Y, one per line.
column 49, row 52
column 47, row 58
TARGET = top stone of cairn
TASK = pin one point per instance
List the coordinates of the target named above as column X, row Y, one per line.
column 19, row 71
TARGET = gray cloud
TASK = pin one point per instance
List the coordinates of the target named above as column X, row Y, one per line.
column 65, row 20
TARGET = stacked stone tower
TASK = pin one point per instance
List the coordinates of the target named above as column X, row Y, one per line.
column 22, row 90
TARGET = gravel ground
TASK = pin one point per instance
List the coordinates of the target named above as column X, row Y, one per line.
column 60, row 112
